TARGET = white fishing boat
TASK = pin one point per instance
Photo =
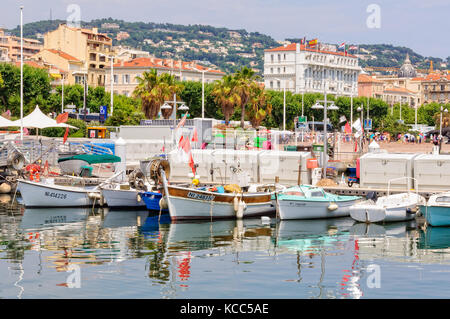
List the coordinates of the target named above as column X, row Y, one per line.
column 201, row 202
column 48, row 194
column 311, row 202
column 126, row 195
column 389, row 208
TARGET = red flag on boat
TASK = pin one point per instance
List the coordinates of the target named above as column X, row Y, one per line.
column 66, row 134
column 186, row 145
column 194, row 135
column 62, row 118
column 191, row 163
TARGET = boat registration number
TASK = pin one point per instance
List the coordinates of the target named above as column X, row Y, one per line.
column 200, row 196
column 56, row 195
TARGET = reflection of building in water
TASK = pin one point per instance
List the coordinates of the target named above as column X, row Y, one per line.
column 402, row 242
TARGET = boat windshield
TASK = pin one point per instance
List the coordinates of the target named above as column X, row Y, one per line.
column 443, row 199
column 316, row 193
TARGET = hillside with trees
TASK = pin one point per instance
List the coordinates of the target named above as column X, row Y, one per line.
column 226, row 49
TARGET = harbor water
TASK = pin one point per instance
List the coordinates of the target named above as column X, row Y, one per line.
column 85, row 253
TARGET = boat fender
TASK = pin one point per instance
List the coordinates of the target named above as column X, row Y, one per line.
column 236, row 204
column 163, row 203
column 94, row 195
column 241, row 208
column 333, row 206
column 412, row 210
column 138, row 198
column 5, row 188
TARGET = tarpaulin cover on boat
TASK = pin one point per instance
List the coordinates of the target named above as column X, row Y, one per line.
column 92, row 158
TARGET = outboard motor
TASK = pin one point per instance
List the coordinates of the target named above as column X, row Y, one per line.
column 372, row 195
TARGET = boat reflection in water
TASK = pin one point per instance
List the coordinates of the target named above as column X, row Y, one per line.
column 323, row 239
column 435, row 238
column 38, row 218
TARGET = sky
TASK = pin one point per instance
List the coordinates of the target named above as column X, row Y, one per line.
column 422, row 25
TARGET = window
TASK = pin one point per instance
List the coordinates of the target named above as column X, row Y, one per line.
column 126, row 78
column 284, row 69
column 271, row 57
column 442, row 87
column 116, row 78
column 285, row 56
column 278, row 70
column 271, row 84
column 279, row 84
column 271, row 70
column 279, row 57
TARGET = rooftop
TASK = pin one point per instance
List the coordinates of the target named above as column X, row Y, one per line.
column 293, row 46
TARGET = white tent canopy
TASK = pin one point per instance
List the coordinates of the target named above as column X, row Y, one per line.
column 5, row 122
column 37, row 119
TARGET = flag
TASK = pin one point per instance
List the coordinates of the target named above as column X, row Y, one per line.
column 303, row 41
column 348, row 129
column 194, row 135
column 353, row 47
column 312, row 42
column 191, row 163
column 25, row 131
column 66, row 134
column 342, row 46
column 62, row 118
column 357, row 125
column 183, row 120
column 186, row 145
column 342, row 119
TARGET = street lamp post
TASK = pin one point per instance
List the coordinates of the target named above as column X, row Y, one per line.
column 111, row 58
column 21, row 73
column 325, row 129
column 361, row 109
column 203, row 89
column 440, row 122
column 284, row 103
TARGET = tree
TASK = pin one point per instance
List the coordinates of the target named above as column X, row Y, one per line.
column 259, row 106
column 244, row 79
column 226, row 95
column 153, row 90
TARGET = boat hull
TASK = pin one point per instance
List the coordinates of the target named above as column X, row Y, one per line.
column 371, row 214
column 151, row 201
column 122, row 199
column 304, row 209
column 47, row 195
column 185, row 204
column 436, row 215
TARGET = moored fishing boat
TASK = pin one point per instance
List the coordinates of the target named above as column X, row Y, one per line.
column 389, row 208
column 437, row 209
column 311, row 202
column 202, row 202
column 48, row 194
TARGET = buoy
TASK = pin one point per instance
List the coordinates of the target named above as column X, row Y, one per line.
column 138, row 198
column 195, row 181
column 333, row 206
column 5, row 198
column 265, row 220
column 5, row 188
column 235, row 203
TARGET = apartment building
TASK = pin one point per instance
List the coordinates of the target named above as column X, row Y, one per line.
column 125, row 72
column 10, row 47
column 436, row 88
column 92, row 48
column 299, row 68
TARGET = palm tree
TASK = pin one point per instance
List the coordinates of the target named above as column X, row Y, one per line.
column 153, row 90
column 226, row 96
column 245, row 78
column 259, row 105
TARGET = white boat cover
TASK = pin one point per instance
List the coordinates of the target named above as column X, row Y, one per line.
column 37, row 119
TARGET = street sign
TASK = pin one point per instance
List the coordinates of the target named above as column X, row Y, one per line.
column 302, row 119
column 103, row 113
column 368, row 124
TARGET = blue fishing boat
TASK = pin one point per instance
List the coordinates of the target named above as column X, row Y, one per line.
column 437, row 209
column 152, row 201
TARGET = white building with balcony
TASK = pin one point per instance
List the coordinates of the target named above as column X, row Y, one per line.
column 300, row 69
